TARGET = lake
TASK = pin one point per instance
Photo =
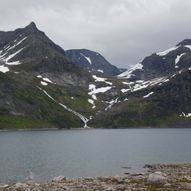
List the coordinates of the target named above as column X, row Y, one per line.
column 94, row 152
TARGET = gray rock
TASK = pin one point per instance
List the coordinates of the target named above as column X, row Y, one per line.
column 21, row 186
column 167, row 185
column 59, row 179
column 186, row 186
column 109, row 189
column 187, row 178
column 157, row 178
column 2, row 186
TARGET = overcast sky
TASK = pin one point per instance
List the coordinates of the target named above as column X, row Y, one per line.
column 124, row 31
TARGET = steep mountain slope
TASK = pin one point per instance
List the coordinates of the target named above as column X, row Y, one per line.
column 157, row 92
column 23, row 104
column 162, row 63
column 39, row 69
column 164, row 103
column 30, row 49
column 92, row 61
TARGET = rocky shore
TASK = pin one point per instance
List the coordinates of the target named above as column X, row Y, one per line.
column 171, row 177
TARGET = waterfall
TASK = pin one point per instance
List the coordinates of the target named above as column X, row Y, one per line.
column 83, row 118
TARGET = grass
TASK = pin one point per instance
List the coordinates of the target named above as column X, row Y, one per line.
column 22, row 122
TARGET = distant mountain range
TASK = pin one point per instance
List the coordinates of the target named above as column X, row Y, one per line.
column 42, row 85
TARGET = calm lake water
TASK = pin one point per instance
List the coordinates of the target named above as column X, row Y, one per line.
column 77, row 153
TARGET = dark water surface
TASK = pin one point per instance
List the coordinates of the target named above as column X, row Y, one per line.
column 77, row 153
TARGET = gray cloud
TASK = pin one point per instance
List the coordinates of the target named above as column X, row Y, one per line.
column 124, row 31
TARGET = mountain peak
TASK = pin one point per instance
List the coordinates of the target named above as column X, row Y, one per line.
column 32, row 24
column 32, row 27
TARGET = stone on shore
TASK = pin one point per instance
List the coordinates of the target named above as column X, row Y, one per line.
column 157, row 178
column 21, row 186
column 2, row 186
column 59, row 179
column 178, row 177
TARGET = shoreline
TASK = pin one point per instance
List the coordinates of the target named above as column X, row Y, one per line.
column 91, row 128
column 159, row 177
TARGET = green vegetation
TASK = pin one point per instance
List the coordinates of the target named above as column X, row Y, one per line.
column 26, row 106
column 137, row 112
column 22, row 122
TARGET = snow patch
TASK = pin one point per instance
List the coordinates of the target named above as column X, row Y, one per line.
column 45, row 79
column 125, row 90
column 101, row 71
column 188, row 46
column 13, row 63
column 4, row 69
column 184, row 115
column 11, row 47
column 13, row 55
column 92, row 102
column 92, row 87
column 99, row 79
column 164, row 53
column 111, row 103
column 100, row 90
column 48, row 80
column 87, row 58
column 148, row 95
column 94, row 91
column 139, row 87
column 173, row 75
column 140, row 84
column 6, row 59
column 178, row 59
column 44, row 83
column 128, row 74
column 167, row 80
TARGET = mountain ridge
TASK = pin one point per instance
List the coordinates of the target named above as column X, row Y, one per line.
column 162, row 63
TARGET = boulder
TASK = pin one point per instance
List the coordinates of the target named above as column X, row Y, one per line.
column 157, row 178
column 186, row 186
column 21, row 186
column 2, row 186
column 59, row 179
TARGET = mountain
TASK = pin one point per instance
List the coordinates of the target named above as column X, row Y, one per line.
column 33, row 48
column 160, row 102
column 41, row 87
column 162, row 63
column 92, row 61
column 157, row 92
column 31, row 66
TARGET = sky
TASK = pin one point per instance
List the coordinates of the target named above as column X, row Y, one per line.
column 123, row 31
